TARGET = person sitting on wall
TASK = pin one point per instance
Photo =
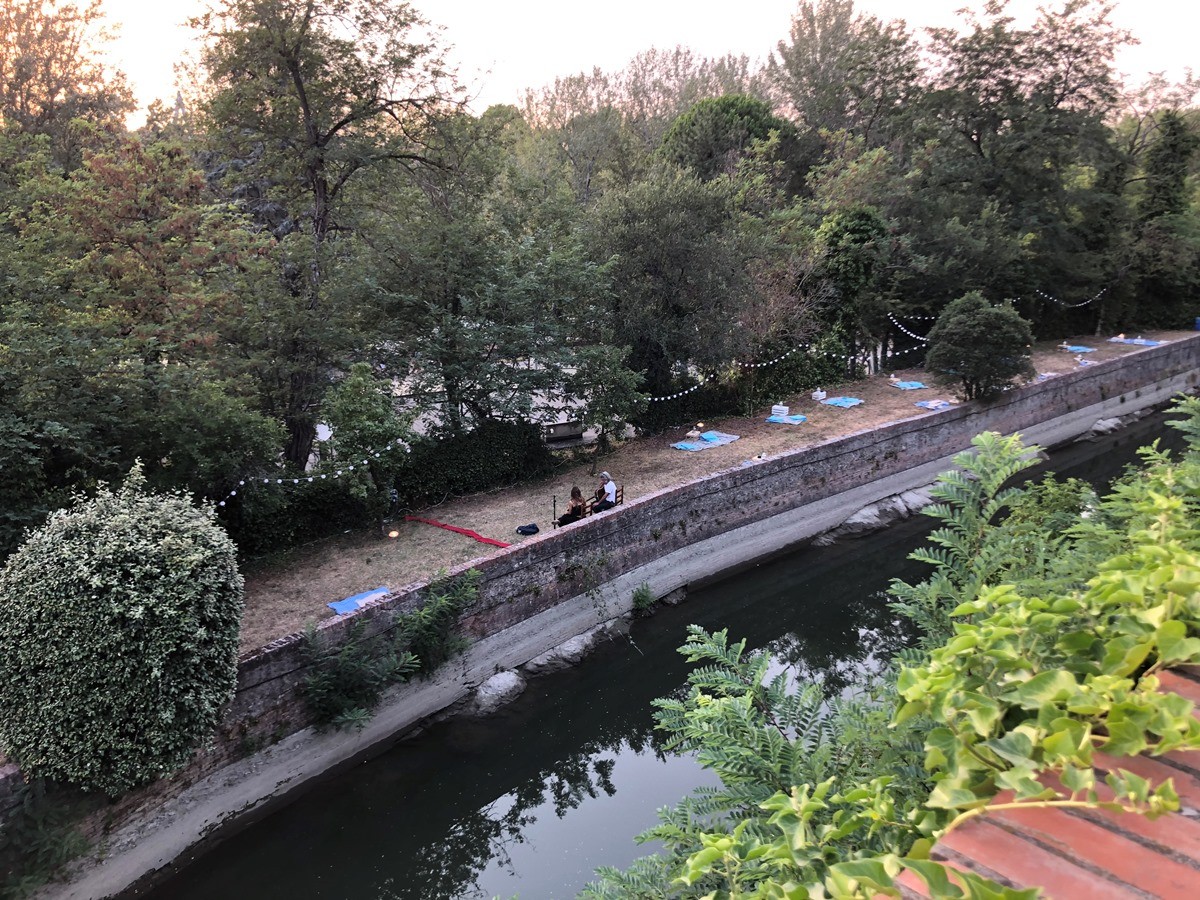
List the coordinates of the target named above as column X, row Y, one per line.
column 606, row 494
column 575, row 508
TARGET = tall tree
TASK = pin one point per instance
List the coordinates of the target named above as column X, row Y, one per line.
column 844, row 71
column 51, row 73
column 679, row 266
column 123, row 286
column 1166, row 237
column 1020, row 113
column 483, row 296
column 310, row 94
column 713, row 136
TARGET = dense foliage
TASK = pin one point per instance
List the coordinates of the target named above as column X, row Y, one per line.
column 1029, row 664
column 119, row 620
column 322, row 229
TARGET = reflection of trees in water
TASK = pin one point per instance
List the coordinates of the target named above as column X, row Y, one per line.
column 483, row 837
column 450, row 867
column 844, row 651
column 841, row 650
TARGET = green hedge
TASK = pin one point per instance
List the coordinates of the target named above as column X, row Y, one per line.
column 266, row 518
column 494, row 454
column 119, row 626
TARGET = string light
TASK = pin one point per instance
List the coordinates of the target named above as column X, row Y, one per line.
column 394, row 445
column 1066, row 305
column 923, row 340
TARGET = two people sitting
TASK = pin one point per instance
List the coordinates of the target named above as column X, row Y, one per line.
column 604, row 498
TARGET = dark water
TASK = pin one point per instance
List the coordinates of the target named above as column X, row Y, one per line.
column 533, row 799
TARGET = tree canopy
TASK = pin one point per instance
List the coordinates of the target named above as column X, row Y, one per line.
column 194, row 294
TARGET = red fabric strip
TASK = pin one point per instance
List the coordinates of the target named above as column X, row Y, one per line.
column 457, row 530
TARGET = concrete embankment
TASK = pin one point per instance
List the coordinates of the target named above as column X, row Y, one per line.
column 548, row 590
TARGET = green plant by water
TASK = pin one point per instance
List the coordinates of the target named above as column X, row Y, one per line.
column 346, row 682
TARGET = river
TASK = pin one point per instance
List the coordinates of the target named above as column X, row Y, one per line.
column 531, row 800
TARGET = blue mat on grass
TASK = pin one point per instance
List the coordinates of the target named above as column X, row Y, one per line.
column 908, row 385
column 932, row 404
column 707, row 440
column 787, row 420
column 843, row 402
column 350, row 604
column 1079, row 348
column 1141, row 342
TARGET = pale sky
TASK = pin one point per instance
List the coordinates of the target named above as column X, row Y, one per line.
column 501, row 48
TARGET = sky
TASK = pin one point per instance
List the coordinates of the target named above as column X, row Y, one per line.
column 501, row 48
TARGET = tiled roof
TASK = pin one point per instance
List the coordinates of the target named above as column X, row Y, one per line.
column 1082, row 854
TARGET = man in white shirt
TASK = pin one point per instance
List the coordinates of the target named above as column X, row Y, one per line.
column 606, row 494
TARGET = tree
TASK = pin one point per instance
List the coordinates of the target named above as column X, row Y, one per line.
column 51, row 73
column 482, row 294
column 678, row 264
column 654, row 89
column 855, row 247
column 119, row 620
column 309, row 95
column 1165, row 244
column 361, row 412
column 1020, row 118
column 846, row 72
column 713, row 136
column 125, row 292
column 982, row 346
column 1167, row 163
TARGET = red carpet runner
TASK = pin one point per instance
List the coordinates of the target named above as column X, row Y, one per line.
column 466, row 531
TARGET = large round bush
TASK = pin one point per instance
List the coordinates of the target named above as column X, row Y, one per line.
column 983, row 347
column 118, row 638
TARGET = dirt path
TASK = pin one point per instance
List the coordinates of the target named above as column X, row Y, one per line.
column 296, row 587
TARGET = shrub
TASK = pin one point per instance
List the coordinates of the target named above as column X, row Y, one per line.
column 494, row 454
column 643, row 598
column 346, row 681
column 982, row 346
column 119, row 621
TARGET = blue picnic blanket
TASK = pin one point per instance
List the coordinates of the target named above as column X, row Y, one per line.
column 1141, row 342
column 1079, row 348
column 908, row 385
column 350, row 604
column 707, row 440
column 787, row 420
column 843, row 402
column 932, row 404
